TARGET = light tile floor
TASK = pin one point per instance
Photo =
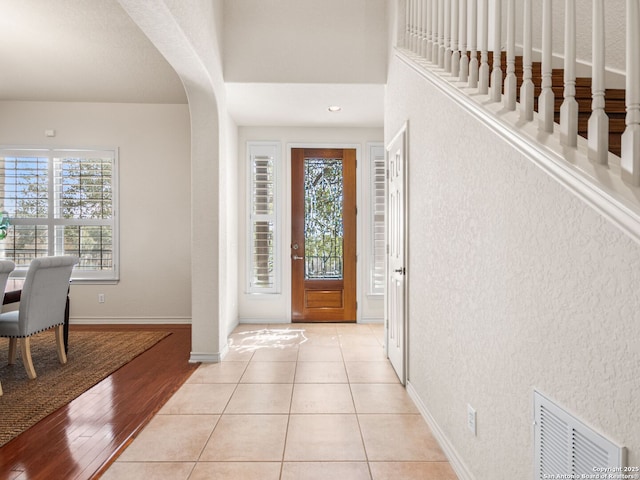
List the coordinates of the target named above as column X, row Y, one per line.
column 289, row 402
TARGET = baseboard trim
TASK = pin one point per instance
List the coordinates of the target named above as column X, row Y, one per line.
column 455, row 460
column 263, row 321
column 128, row 320
column 370, row 321
column 196, row 357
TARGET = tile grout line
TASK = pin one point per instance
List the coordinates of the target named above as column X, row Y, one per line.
column 286, row 431
column 220, row 416
column 355, row 410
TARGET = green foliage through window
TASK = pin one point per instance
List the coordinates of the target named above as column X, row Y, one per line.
column 323, row 226
column 60, row 202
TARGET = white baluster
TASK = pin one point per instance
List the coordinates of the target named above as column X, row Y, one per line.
column 598, row 133
column 447, row 35
column 410, row 24
column 455, row 52
column 407, row 25
column 425, row 26
column 421, row 27
column 546, row 98
column 464, row 59
column 511, row 82
column 441, row 32
column 631, row 137
column 416, row 26
column 473, row 45
column 569, row 108
column 527, row 88
column 496, row 74
column 430, row 29
column 435, row 25
column 483, row 80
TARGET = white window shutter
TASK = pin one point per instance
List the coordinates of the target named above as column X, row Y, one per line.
column 263, row 228
column 377, row 220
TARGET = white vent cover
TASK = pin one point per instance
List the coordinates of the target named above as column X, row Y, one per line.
column 566, row 446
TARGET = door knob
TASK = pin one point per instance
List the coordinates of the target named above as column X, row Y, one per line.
column 296, row 257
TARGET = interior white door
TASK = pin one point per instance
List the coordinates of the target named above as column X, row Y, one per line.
column 396, row 267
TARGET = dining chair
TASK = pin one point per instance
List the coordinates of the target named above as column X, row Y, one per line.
column 6, row 267
column 42, row 304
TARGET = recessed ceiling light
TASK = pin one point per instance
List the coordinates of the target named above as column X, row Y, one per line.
column 334, row 108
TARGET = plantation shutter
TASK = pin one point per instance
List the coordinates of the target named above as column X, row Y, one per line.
column 60, row 202
column 378, row 175
column 263, row 228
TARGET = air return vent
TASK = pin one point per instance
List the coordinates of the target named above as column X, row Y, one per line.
column 566, row 448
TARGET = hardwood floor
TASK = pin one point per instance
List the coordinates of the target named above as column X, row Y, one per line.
column 79, row 440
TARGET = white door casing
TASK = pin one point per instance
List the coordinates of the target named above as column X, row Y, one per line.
column 396, row 310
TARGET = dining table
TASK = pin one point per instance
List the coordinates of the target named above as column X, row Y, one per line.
column 12, row 294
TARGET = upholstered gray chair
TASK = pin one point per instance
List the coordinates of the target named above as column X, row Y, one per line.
column 6, row 267
column 42, row 304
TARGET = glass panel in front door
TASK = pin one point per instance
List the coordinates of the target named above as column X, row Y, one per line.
column 323, row 225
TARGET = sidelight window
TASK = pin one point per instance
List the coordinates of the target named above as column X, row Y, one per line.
column 377, row 251
column 263, row 228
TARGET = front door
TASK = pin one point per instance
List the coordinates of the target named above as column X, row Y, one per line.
column 323, row 237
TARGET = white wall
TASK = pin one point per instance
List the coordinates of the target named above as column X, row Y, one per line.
column 277, row 307
column 515, row 284
column 305, row 41
column 615, row 28
column 229, row 250
column 615, row 35
column 154, row 175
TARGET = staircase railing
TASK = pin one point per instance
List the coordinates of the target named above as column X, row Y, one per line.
column 444, row 37
column 445, row 34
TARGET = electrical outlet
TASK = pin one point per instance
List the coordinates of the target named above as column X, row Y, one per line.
column 101, row 298
column 471, row 420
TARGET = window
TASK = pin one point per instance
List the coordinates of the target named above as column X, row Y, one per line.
column 377, row 249
column 61, row 202
column 263, row 228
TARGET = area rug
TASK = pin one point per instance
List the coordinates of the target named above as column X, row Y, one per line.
column 92, row 356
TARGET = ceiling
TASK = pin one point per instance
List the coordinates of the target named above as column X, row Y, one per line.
column 91, row 51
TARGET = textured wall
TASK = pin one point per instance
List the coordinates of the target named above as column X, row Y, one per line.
column 615, row 28
column 514, row 285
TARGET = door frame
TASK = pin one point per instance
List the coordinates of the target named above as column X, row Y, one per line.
column 286, row 244
column 403, row 136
